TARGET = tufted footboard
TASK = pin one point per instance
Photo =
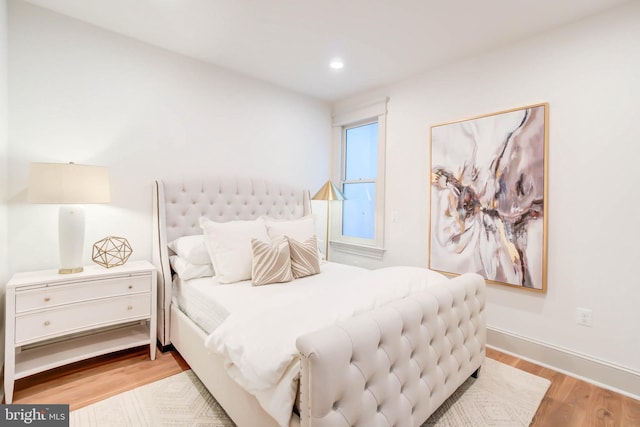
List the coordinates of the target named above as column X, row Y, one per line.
column 394, row 366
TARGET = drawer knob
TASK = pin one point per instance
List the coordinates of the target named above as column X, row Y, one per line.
column 129, row 308
column 47, row 323
column 47, row 299
column 130, row 286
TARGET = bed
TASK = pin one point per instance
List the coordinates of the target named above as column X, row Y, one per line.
column 390, row 360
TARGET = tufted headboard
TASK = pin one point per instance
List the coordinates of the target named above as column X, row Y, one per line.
column 178, row 205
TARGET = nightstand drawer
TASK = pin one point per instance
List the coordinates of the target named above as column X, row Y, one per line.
column 81, row 316
column 52, row 296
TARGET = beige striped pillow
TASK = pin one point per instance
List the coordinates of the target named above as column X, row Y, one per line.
column 271, row 262
column 304, row 257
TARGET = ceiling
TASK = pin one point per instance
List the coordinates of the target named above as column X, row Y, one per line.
column 291, row 42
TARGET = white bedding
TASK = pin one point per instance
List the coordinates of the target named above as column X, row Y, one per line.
column 208, row 303
column 257, row 338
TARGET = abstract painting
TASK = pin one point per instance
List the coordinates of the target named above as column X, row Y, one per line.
column 488, row 197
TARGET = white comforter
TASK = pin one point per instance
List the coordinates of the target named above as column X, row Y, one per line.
column 259, row 344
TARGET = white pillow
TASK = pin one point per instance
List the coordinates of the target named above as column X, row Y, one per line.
column 229, row 246
column 297, row 229
column 192, row 249
column 186, row 270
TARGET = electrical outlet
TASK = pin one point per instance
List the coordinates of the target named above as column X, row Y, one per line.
column 583, row 317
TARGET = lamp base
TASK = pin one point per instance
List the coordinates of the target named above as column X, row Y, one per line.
column 70, row 238
column 70, row 270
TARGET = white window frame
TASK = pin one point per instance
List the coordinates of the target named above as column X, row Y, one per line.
column 372, row 112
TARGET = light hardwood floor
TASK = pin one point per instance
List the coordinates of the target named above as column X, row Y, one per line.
column 568, row 403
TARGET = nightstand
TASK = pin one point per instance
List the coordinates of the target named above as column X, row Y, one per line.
column 54, row 319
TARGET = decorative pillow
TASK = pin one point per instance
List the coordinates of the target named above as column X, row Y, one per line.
column 298, row 229
column 304, row 257
column 186, row 270
column 271, row 262
column 192, row 249
column 229, row 245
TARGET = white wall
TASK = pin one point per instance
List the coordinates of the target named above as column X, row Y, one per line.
column 588, row 73
column 79, row 93
column 3, row 168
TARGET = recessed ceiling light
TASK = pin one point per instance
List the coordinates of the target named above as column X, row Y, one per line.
column 336, row 64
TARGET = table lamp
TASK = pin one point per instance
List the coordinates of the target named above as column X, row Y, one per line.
column 69, row 185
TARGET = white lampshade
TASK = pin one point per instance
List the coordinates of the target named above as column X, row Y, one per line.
column 69, row 185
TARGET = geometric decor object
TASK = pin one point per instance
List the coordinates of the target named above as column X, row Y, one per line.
column 111, row 251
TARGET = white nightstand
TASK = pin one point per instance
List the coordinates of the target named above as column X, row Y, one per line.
column 54, row 319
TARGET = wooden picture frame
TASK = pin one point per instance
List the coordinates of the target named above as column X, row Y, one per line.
column 488, row 194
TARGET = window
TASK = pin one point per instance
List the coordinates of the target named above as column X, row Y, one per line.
column 359, row 180
column 360, row 135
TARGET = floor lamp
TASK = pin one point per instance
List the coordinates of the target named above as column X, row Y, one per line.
column 69, row 185
column 328, row 192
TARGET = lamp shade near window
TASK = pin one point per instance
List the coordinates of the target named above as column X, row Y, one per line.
column 328, row 192
column 69, row 185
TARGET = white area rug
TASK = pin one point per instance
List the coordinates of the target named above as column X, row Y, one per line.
column 501, row 396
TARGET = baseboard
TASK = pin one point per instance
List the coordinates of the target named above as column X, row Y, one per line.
column 598, row 372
